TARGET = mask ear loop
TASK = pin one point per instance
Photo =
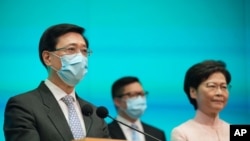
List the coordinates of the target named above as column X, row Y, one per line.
column 55, row 55
column 59, row 58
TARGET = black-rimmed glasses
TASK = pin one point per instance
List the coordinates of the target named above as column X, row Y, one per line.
column 133, row 94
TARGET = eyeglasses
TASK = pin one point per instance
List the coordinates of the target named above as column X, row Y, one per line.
column 133, row 94
column 69, row 50
column 214, row 87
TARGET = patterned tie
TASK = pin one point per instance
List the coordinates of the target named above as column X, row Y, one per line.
column 134, row 133
column 74, row 121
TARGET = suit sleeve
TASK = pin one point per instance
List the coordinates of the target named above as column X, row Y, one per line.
column 105, row 129
column 99, row 128
column 19, row 123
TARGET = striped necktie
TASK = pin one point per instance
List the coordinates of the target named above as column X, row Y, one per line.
column 74, row 121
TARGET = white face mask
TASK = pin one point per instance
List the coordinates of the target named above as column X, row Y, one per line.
column 136, row 107
column 73, row 68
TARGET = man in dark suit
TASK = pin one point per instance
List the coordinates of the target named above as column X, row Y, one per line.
column 130, row 102
column 43, row 114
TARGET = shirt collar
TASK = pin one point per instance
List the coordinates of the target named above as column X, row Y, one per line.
column 123, row 120
column 58, row 92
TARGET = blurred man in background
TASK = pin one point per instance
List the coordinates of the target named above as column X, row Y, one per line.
column 129, row 99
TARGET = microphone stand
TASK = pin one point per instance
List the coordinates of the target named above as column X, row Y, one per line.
column 135, row 129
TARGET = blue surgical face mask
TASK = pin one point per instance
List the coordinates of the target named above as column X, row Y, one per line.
column 73, row 68
column 136, row 107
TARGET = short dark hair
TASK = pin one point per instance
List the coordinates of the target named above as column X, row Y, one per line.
column 50, row 37
column 200, row 72
column 118, row 85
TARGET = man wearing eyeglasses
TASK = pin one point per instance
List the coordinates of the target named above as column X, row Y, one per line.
column 129, row 99
column 53, row 110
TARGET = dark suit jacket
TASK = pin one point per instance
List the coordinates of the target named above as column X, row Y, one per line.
column 116, row 132
column 36, row 116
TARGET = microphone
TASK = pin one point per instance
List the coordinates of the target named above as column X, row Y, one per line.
column 87, row 110
column 102, row 112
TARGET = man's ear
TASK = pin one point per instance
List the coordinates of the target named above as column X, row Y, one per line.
column 117, row 102
column 193, row 92
column 46, row 58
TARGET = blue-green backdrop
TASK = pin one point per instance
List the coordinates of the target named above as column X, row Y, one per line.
column 156, row 40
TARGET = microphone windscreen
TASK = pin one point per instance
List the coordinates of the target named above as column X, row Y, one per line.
column 102, row 112
column 87, row 110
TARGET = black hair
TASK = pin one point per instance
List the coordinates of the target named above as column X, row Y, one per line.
column 200, row 72
column 118, row 85
column 50, row 37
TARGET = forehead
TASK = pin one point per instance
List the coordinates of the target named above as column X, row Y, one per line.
column 216, row 77
column 71, row 38
column 135, row 86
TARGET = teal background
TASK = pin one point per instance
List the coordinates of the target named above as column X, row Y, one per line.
column 155, row 40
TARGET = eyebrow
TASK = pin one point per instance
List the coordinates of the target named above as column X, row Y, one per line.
column 75, row 44
column 218, row 83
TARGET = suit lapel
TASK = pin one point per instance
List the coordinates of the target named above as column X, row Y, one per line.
column 118, row 131
column 55, row 113
column 147, row 130
column 87, row 119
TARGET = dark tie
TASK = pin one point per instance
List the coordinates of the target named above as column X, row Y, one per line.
column 134, row 133
column 74, row 121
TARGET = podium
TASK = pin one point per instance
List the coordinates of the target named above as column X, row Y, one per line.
column 98, row 139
